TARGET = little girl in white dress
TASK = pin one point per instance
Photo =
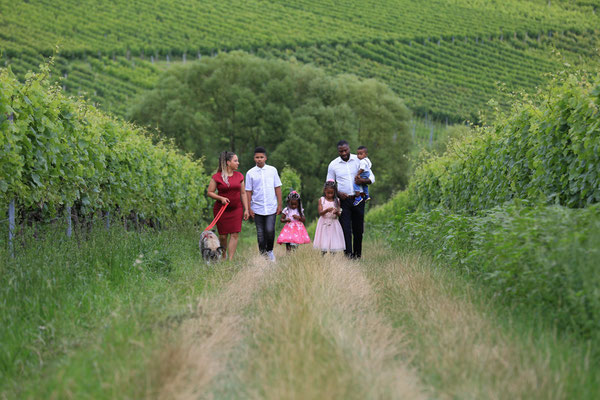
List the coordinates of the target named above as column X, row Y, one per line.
column 329, row 235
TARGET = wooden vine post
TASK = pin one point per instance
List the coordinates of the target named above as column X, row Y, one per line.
column 11, row 211
column 69, row 222
column 11, row 227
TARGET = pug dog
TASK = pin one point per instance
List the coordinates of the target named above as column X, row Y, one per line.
column 210, row 247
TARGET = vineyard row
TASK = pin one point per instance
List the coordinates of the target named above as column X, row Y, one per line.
column 448, row 79
column 57, row 153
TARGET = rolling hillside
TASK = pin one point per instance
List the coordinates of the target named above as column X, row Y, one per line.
column 430, row 53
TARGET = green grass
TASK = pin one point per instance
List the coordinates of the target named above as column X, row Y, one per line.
column 540, row 260
column 81, row 317
column 468, row 343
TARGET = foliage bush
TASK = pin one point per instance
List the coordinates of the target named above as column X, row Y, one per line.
column 57, row 152
column 237, row 101
column 541, row 257
column 547, row 149
column 290, row 180
column 515, row 205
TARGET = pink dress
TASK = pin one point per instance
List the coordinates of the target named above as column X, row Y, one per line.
column 329, row 235
column 293, row 231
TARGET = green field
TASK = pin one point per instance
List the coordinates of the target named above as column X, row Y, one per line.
column 430, row 53
column 479, row 277
column 177, row 26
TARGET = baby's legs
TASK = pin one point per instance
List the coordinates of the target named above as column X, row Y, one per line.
column 358, row 189
column 365, row 188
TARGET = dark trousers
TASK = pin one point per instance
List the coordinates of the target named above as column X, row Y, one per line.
column 353, row 225
column 265, row 231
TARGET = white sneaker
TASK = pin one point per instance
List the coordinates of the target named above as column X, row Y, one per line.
column 271, row 255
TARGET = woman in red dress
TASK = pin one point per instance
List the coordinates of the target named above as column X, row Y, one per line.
column 229, row 183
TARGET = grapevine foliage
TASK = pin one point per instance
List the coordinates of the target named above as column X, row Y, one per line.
column 57, row 152
column 545, row 150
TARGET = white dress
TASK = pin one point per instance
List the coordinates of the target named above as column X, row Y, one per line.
column 329, row 235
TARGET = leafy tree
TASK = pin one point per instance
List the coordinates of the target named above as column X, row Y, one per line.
column 290, row 180
column 236, row 102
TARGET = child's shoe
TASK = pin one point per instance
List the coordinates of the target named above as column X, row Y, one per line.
column 357, row 201
column 368, row 198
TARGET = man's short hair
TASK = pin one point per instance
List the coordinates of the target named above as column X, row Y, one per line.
column 363, row 148
column 342, row 143
column 260, row 149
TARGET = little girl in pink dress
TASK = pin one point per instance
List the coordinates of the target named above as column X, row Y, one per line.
column 329, row 235
column 293, row 232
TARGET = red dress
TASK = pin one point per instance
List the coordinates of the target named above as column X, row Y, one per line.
column 231, row 220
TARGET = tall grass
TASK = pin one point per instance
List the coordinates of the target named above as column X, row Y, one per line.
column 308, row 330
column 539, row 259
column 78, row 316
column 390, row 326
column 467, row 344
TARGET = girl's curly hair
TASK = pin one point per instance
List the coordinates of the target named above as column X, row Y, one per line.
column 332, row 184
column 293, row 195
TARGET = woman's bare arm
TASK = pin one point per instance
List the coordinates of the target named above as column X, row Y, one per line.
column 212, row 187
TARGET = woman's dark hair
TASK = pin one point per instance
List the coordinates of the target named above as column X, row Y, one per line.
column 295, row 196
column 333, row 185
column 223, row 158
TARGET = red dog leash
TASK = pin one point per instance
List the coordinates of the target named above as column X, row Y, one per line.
column 214, row 221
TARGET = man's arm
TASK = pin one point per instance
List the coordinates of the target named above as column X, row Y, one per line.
column 245, row 203
column 279, row 201
column 249, row 196
column 330, row 173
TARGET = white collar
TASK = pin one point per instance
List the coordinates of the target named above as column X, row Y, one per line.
column 352, row 157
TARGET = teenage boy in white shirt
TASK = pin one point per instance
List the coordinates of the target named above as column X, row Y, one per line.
column 263, row 189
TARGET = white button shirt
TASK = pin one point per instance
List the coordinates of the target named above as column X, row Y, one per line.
column 262, row 183
column 343, row 172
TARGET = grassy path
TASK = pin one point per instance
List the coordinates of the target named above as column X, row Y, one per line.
column 150, row 320
column 390, row 326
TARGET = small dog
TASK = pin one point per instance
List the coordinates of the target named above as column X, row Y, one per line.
column 210, row 247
